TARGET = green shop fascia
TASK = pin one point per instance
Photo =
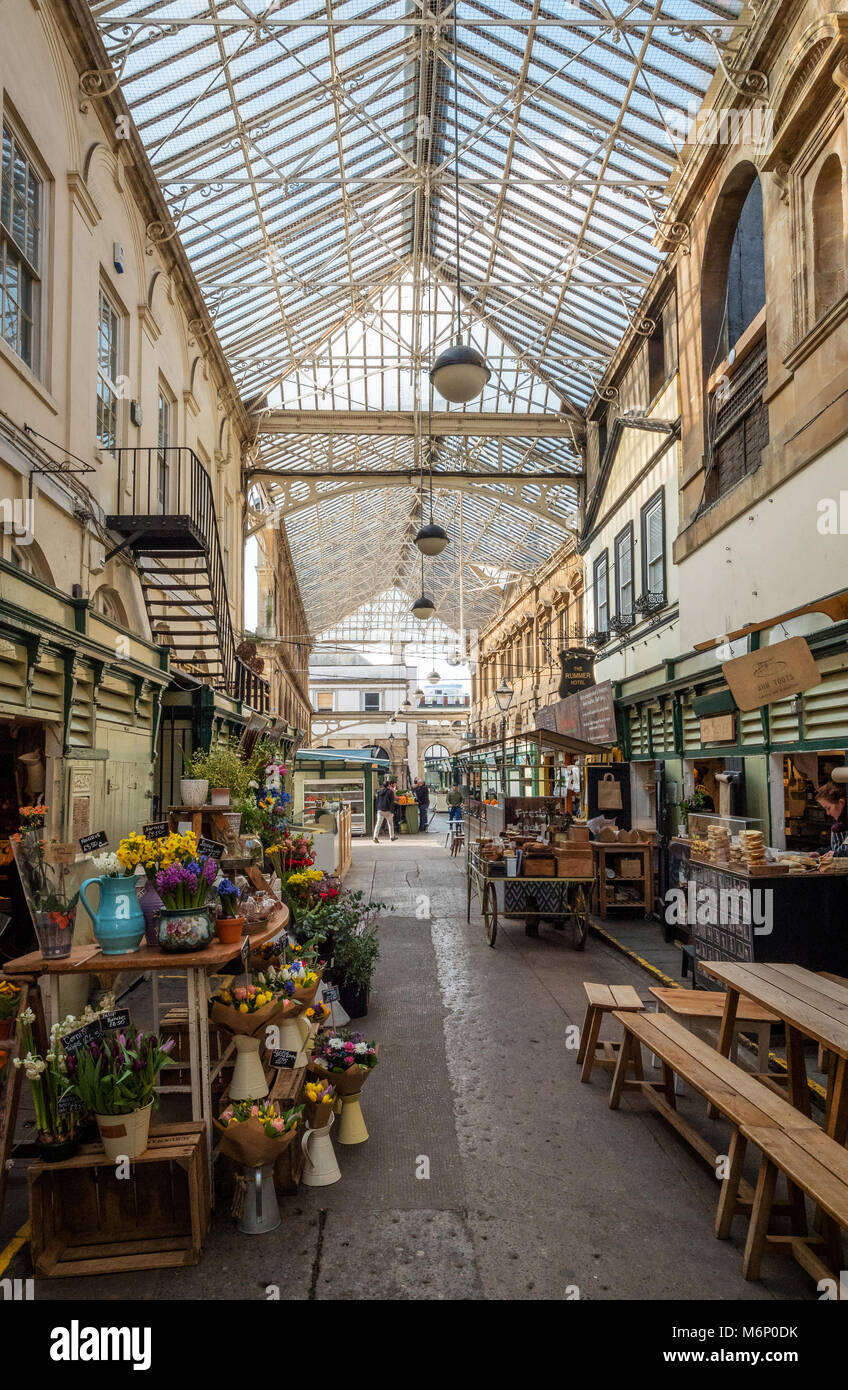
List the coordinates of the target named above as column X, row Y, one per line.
column 660, row 711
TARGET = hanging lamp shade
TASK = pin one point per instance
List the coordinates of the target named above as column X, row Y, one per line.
column 459, row 373
column 423, row 608
column 434, row 678
column 432, row 539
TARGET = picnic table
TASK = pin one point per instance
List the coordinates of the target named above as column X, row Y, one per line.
column 811, row 1006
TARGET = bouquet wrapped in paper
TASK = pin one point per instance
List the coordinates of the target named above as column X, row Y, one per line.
column 256, row 1132
column 345, row 1059
column 319, row 1099
column 250, row 1009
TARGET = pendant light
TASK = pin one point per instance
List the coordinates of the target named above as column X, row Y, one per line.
column 460, row 372
column 423, row 608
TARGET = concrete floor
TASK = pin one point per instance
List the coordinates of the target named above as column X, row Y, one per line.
column 535, row 1188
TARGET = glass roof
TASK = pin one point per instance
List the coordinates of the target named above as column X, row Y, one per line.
column 306, row 151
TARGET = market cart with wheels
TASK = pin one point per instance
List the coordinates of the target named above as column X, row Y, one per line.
column 564, row 902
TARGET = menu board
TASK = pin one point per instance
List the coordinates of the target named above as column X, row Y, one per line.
column 588, row 715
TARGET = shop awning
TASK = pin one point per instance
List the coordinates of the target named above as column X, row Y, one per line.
column 562, row 743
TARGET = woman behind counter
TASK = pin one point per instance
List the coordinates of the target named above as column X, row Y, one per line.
column 831, row 797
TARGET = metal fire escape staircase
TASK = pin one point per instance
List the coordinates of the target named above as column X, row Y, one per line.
column 166, row 520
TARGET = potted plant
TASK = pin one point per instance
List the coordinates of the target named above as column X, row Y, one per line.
column 55, row 1117
column 114, row 1077
column 186, row 922
column 229, row 926
column 355, row 957
column 194, row 785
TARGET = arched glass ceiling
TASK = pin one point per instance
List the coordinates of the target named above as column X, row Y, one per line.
column 306, row 152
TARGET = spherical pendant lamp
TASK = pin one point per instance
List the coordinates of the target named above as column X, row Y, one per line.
column 431, row 539
column 459, row 373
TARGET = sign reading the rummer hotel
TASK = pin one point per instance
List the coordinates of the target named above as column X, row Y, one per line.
column 589, row 715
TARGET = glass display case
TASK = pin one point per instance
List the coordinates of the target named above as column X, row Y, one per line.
column 700, row 822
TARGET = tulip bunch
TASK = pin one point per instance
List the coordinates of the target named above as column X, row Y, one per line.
column 285, row 979
column 273, row 1121
column 319, row 1092
column 247, row 999
column 115, row 1074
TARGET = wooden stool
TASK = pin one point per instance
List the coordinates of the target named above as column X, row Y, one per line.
column 701, row 1012
column 602, row 999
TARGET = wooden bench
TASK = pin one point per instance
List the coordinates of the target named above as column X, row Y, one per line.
column 602, row 999
column 702, row 1010
column 789, row 1141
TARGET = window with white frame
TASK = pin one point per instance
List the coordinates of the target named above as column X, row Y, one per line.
column 601, row 586
column 653, row 548
column 109, row 348
column 624, row 595
column 21, row 216
column 322, row 699
column 164, row 419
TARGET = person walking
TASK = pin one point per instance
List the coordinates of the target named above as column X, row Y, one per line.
column 421, row 792
column 455, row 800
column 385, row 811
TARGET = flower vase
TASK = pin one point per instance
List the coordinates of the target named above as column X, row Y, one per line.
column 185, row 929
column 261, row 1209
column 194, row 791
column 294, row 1035
column 321, row 1167
column 119, row 921
column 125, row 1136
column 151, row 906
column 54, row 939
column 351, row 1123
column 248, row 1082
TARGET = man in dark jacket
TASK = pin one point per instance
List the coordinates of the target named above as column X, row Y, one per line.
column 385, row 810
column 421, row 792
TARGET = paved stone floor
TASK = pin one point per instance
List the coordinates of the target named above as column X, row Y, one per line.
column 535, row 1188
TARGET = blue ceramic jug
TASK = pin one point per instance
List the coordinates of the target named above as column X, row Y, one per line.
column 119, row 920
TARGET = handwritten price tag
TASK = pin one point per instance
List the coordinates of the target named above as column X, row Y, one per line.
column 157, row 830
column 116, row 1018
column 209, row 849
column 88, row 843
column 331, row 994
column 282, row 1058
column 72, row 1042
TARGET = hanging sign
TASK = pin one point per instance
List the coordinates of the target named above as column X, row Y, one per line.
column 589, row 715
column 284, row 1059
column 209, row 849
column 89, row 843
column 577, row 670
column 157, row 830
column 771, row 674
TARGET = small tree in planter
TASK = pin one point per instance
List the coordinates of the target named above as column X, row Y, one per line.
column 354, row 961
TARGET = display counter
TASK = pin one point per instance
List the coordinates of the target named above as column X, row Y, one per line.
column 795, row 919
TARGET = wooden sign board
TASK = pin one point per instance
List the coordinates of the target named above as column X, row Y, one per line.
column 718, row 728
column 771, row 674
column 589, row 715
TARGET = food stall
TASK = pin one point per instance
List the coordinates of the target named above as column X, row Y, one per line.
column 742, row 900
column 525, row 856
column 324, row 777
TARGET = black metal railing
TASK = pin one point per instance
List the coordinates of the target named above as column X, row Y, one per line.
column 172, row 482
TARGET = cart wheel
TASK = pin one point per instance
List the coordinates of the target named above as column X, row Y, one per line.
column 579, row 918
column 490, row 913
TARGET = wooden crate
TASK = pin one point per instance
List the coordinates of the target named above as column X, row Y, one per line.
column 575, row 863
column 85, row 1220
column 539, row 866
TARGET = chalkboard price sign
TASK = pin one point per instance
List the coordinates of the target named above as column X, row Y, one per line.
column 67, row 1104
column 72, row 1042
column 157, row 830
column 331, row 994
column 210, row 849
column 116, row 1018
column 89, row 843
column 283, row 1059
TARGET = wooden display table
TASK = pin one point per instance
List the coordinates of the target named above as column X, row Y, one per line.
column 196, row 965
column 609, row 855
